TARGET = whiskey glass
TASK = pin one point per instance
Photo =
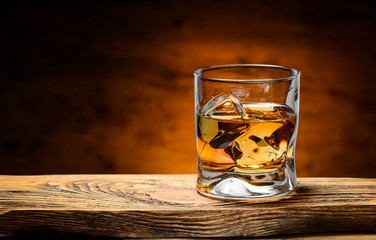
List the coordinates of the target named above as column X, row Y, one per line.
column 246, row 128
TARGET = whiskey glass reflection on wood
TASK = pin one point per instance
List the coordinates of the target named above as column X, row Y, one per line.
column 246, row 129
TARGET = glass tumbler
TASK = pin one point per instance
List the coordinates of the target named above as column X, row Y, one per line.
column 246, row 128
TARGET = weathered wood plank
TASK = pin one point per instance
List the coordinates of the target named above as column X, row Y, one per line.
column 168, row 206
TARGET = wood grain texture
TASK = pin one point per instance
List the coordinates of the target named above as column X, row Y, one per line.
column 168, row 206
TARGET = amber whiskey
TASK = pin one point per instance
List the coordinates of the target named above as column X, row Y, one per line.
column 249, row 146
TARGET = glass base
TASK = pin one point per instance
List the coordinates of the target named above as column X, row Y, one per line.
column 257, row 188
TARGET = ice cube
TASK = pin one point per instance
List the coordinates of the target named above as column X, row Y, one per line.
column 224, row 138
column 238, row 105
column 225, row 102
column 282, row 134
column 234, row 151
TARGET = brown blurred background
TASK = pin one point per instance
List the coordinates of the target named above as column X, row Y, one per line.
column 107, row 87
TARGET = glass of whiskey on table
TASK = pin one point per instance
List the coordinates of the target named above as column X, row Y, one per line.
column 246, row 129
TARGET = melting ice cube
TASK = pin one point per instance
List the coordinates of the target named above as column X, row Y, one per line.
column 224, row 101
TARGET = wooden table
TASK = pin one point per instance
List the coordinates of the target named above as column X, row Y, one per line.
column 159, row 206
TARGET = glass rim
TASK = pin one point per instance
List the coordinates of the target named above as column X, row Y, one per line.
column 294, row 73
